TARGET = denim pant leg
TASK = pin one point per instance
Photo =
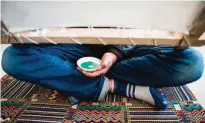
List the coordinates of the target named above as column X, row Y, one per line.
column 50, row 67
column 159, row 67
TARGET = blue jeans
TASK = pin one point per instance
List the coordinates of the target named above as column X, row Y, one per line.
column 54, row 66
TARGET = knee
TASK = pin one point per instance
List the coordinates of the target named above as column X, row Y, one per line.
column 193, row 67
column 197, row 66
column 8, row 61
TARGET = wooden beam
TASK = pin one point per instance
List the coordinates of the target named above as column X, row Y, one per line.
column 99, row 36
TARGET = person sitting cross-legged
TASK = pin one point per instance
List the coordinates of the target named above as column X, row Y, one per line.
column 132, row 71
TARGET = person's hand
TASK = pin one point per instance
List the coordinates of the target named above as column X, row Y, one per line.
column 107, row 61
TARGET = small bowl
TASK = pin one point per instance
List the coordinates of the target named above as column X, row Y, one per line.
column 88, row 63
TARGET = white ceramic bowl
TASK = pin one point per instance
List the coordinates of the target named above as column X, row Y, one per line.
column 88, row 59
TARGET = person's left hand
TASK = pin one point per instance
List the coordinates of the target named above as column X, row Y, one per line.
column 107, row 61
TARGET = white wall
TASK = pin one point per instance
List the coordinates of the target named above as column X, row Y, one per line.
column 170, row 16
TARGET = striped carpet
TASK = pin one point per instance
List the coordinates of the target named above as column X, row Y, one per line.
column 23, row 102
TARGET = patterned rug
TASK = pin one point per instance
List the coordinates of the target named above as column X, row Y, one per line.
column 23, row 102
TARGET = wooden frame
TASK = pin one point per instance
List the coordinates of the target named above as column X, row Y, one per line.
column 103, row 36
column 99, row 36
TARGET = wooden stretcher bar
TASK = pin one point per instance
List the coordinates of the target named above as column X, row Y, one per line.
column 103, row 36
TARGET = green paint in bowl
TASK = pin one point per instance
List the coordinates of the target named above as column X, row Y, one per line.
column 89, row 65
